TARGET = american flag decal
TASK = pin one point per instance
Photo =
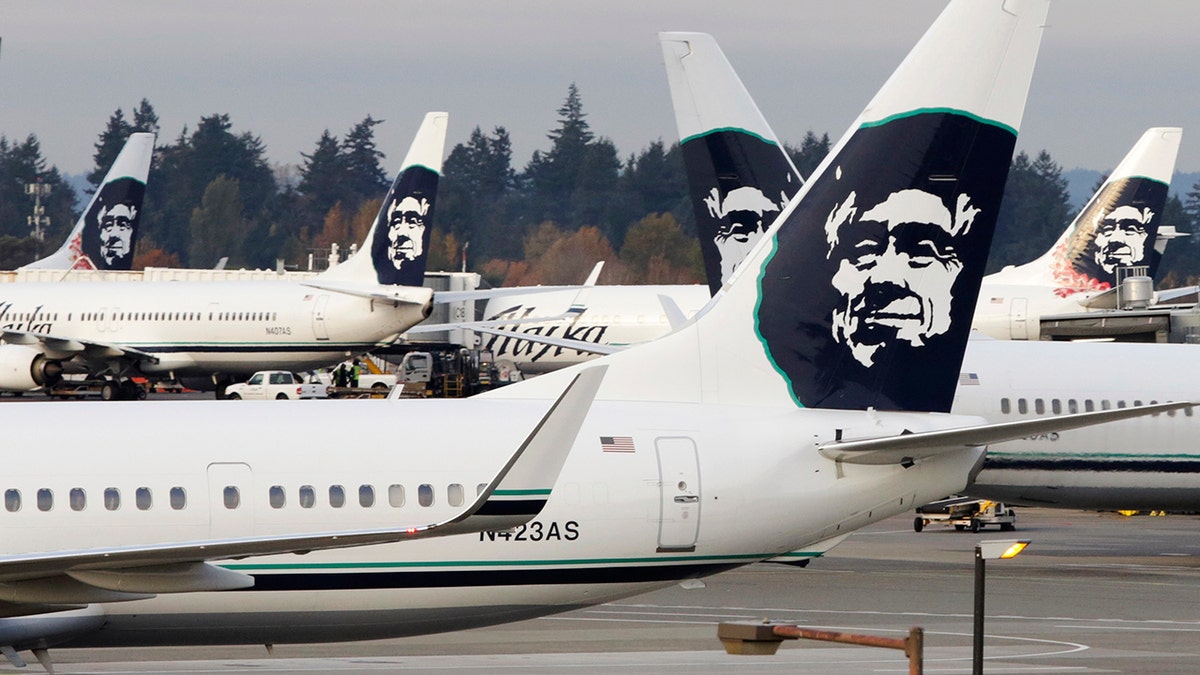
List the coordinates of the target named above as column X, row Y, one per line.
column 616, row 443
column 968, row 379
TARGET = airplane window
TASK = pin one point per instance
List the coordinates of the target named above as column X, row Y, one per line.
column 1120, row 404
column 78, row 499
column 308, row 496
column 1005, row 406
column 277, row 497
column 12, row 500
column 337, row 496
column 1137, row 403
column 231, row 497
column 480, row 488
column 1022, row 406
column 396, row 495
column 178, row 498
column 1072, row 406
column 425, row 494
column 454, row 494
column 1056, row 406
column 45, row 499
column 143, row 498
column 112, row 499
column 1039, row 406
column 366, row 496
column 1105, row 405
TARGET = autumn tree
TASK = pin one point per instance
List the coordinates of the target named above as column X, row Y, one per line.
column 216, row 226
column 656, row 251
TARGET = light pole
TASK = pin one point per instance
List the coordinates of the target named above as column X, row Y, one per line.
column 37, row 190
column 988, row 550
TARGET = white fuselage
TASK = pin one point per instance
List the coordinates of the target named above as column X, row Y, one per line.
column 697, row 489
column 619, row 316
column 200, row 328
column 1146, row 463
column 1013, row 311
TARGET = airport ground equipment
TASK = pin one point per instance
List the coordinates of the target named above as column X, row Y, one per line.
column 965, row 513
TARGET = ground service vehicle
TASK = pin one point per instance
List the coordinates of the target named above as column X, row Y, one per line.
column 274, row 384
column 965, row 513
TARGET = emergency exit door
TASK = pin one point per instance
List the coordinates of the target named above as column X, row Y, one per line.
column 679, row 494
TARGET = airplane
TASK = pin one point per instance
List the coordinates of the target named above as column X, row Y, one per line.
column 725, row 140
column 207, row 333
column 740, row 177
column 740, row 160
column 1147, row 464
column 682, row 463
column 1118, row 227
column 105, row 235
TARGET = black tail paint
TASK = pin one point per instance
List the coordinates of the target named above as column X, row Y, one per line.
column 868, row 297
column 400, row 245
column 739, row 184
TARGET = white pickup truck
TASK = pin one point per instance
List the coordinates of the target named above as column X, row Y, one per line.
column 274, row 385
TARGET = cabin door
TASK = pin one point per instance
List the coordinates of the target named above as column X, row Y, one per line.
column 319, row 317
column 679, row 494
column 230, row 500
column 1018, row 319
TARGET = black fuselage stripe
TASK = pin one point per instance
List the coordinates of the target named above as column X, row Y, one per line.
column 1095, row 465
column 334, row 581
column 516, row 507
column 255, row 349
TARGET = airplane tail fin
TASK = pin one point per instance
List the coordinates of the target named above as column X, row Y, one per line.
column 739, row 176
column 105, row 235
column 397, row 244
column 1120, row 223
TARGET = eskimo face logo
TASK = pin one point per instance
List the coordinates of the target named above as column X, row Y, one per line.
column 896, row 267
column 116, row 232
column 406, row 229
column 743, row 216
column 110, row 226
column 1121, row 237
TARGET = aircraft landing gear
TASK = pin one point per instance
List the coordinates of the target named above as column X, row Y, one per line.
column 124, row 390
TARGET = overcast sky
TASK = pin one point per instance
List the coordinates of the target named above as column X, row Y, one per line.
column 287, row 70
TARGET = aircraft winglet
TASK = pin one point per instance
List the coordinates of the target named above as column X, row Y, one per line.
column 517, row 494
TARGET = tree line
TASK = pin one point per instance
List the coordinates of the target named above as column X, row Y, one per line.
column 212, row 193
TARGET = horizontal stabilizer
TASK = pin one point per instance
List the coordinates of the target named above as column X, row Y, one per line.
column 512, row 498
column 411, row 295
column 440, row 297
column 906, row 448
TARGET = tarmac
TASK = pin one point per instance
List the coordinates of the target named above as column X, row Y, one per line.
column 1093, row 593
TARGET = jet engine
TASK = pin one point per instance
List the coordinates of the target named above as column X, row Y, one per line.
column 23, row 368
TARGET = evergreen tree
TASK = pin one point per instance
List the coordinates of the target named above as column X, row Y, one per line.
column 22, row 163
column 575, row 182
column 112, row 139
column 323, row 175
column 810, row 153
column 365, row 177
column 475, row 195
column 1034, row 212
column 115, row 133
column 654, row 181
column 187, row 168
column 144, row 118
